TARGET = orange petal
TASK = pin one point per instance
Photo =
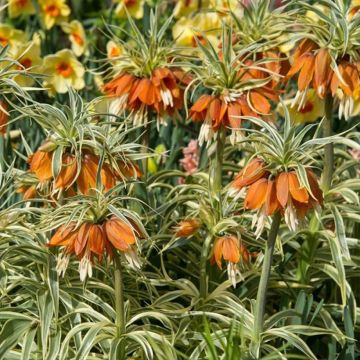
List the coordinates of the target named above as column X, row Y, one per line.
column 307, row 72
column 322, row 72
column 234, row 113
column 82, row 238
column 41, row 165
column 230, row 249
column 97, row 239
column 260, row 103
column 63, row 236
column 249, row 174
column 282, row 188
column 256, row 195
column 87, row 176
column 314, row 186
column 67, row 173
column 218, row 251
column 271, row 203
column 120, row 234
column 298, row 193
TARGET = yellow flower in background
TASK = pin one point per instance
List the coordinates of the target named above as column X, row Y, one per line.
column 10, row 36
column 76, row 35
column 186, row 7
column 312, row 110
column 224, row 6
column 135, row 8
column 63, row 71
column 21, row 7
column 53, row 12
column 355, row 8
column 185, row 31
column 314, row 17
column 28, row 56
column 113, row 50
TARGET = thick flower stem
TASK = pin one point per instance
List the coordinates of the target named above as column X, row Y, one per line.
column 119, row 300
column 329, row 148
column 217, row 166
column 203, row 267
column 216, row 175
column 263, row 285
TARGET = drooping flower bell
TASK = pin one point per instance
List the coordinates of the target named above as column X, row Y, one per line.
column 187, row 227
column 280, row 191
column 145, row 77
column 230, row 249
column 238, row 89
column 160, row 93
column 91, row 241
column 325, row 61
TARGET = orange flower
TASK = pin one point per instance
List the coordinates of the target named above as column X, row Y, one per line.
column 4, row 117
column 252, row 172
column 68, row 172
column 232, row 251
column 219, row 110
column 187, row 227
column 160, row 93
column 128, row 170
column 296, row 199
column 120, row 234
column 90, row 241
column 314, row 67
column 28, row 191
column 41, row 165
column 87, row 176
column 348, row 87
column 284, row 194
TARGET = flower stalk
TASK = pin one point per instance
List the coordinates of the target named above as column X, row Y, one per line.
column 119, row 300
column 329, row 148
column 217, row 167
column 263, row 285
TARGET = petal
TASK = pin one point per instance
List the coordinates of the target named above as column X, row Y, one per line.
column 249, row 174
column 63, row 236
column 120, row 234
column 234, row 113
column 82, row 238
column 67, row 173
column 146, row 92
column 256, row 195
column 307, row 72
column 260, row 103
column 218, row 251
column 97, row 239
column 41, row 165
column 230, row 249
column 271, row 203
column 282, row 188
column 298, row 193
column 314, row 186
column 322, row 72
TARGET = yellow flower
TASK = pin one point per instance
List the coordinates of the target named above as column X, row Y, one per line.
column 312, row 110
column 21, row 7
column 185, row 31
column 10, row 36
column 224, row 6
column 76, row 36
column 113, row 50
column 355, row 8
column 64, row 71
column 53, row 12
column 313, row 16
column 186, row 7
column 29, row 59
column 135, row 8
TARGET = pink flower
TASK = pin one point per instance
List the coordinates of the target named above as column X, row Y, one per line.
column 190, row 161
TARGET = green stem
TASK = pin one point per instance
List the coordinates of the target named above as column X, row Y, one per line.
column 217, row 167
column 263, row 285
column 203, row 267
column 145, row 143
column 216, row 174
column 329, row 148
column 119, row 297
